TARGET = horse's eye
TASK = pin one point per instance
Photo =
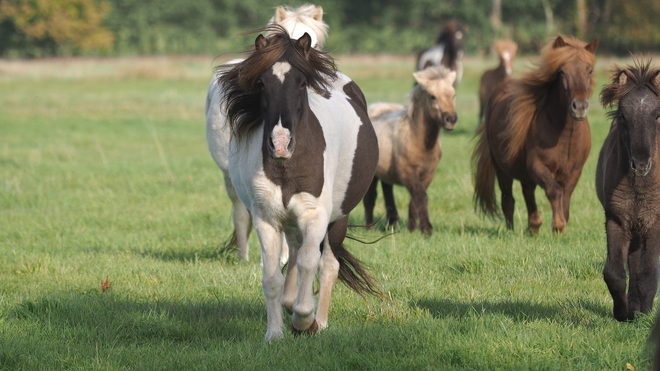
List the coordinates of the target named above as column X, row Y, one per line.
column 303, row 85
column 433, row 97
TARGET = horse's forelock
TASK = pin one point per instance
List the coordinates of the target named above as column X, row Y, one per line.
column 640, row 74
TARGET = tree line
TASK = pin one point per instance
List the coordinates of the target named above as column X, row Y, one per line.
column 33, row 28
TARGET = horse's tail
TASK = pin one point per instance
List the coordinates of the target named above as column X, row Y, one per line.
column 353, row 273
column 484, row 175
column 230, row 244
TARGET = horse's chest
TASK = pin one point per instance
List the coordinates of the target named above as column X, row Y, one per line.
column 636, row 205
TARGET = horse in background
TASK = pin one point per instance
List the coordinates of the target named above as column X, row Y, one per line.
column 448, row 50
column 409, row 144
column 305, row 19
column 506, row 50
column 536, row 130
column 303, row 155
column 628, row 187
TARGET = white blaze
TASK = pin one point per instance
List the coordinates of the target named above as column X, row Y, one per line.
column 280, row 69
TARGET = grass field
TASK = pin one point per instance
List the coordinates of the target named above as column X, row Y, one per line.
column 105, row 175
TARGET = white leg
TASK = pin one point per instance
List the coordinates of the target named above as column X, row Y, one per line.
column 272, row 280
column 284, row 257
column 308, row 258
column 241, row 218
column 291, row 281
column 328, row 273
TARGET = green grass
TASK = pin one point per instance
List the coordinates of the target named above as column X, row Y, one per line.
column 104, row 172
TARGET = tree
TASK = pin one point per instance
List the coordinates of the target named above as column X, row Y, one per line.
column 68, row 25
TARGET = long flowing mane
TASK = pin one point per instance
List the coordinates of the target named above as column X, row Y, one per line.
column 625, row 79
column 242, row 95
column 528, row 92
column 304, row 14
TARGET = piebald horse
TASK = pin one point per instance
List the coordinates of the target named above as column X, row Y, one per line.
column 305, row 19
column 448, row 50
column 303, row 153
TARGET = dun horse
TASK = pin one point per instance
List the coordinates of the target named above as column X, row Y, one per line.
column 506, row 51
column 628, row 187
column 448, row 50
column 303, row 155
column 536, row 131
column 409, row 141
column 305, row 19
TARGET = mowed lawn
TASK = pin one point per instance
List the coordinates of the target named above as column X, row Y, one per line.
column 113, row 215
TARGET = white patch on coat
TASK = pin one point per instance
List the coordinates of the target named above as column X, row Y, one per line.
column 280, row 69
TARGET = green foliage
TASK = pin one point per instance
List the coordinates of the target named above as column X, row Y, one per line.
column 54, row 27
column 105, row 172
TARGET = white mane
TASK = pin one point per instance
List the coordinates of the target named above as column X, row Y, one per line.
column 306, row 18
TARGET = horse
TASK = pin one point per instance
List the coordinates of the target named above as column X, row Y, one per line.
column 305, row 19
column 409, row 144
column 627, row 185
column 536, row 130
column 303, row 155
column 506, row 50
column 448, row 50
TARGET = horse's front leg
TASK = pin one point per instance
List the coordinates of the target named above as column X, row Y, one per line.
column 314, row 225
column 614, row 272
column 542, row 176
column 390, row 205
column 646, row 274
column 369, row 202
column 294, row 240
column 534, row 220
column 418, row 209
column 272, row 280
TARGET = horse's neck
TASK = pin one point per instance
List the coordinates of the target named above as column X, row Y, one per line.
column 501, row 70
column 556, row 106
column 449, row 56
column 425, row 128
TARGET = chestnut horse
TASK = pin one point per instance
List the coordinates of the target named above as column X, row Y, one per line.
column 448, row 50
column 304, row 19
column 409, row 144
column 506, row 51
column 536, row 130
column 303, row 155
column 628, row 187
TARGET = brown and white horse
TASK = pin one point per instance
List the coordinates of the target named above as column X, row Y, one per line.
column 448, row 50
column 303, row 155
column 409, row 141
column 304, row 19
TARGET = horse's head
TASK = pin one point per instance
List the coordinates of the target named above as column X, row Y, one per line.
column 635, row 90
column 307, row 18
column 575, row 61
column 270, row 88
column 453, row 34
column 439, row 96
column 506, row 49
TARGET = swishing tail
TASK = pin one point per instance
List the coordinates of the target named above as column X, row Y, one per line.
column 351, row 270
column 484, row 175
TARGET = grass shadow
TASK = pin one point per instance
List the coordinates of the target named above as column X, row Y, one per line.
column 573, row 311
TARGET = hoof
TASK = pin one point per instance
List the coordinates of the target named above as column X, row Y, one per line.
column 311, row 330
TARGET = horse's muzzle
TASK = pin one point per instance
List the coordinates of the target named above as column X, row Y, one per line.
column 579, row 109
column 449, row 121
column 640, row 168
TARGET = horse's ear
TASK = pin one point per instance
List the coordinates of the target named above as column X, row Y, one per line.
column 261, row 42
column 318, row 14
column 559, row 42
column 592, row 46
column 280, row 14
column 304, row 44
column 621, row 77
column 452, row 77
column 419, row 77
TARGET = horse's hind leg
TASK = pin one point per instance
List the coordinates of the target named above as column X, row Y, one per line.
column 390, row 204
column 329, row 269
column 614, row 272
column 241, row 218
column 369, row 202
column 533, row 218
column 508, row 202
